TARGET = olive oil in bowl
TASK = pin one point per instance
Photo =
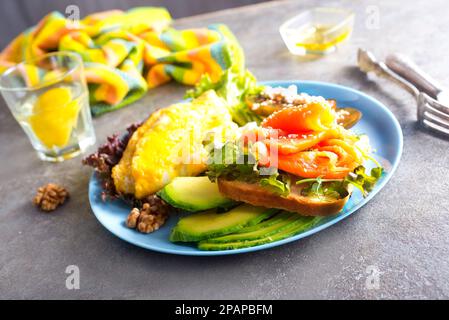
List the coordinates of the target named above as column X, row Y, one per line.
column 317, row 31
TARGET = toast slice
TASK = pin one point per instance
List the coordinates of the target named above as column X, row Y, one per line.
column 257, row 195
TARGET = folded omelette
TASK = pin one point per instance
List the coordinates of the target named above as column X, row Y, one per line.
column 170, row 144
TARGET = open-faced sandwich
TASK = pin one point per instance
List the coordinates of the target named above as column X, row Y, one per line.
column 291, row 162
column 299, row 159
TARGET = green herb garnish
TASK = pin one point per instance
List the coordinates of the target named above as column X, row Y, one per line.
column 338, row 188
column 277, row 183
column 363, row 181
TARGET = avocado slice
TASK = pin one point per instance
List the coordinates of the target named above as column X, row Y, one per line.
column 266, row 223
column 284, row 221
column 194, row 194
column 209, row 224
column 303, row 224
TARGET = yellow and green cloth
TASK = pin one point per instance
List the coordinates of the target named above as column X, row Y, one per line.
column 127, row 53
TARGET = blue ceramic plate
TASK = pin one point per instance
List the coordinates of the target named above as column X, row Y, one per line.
column 377, row 122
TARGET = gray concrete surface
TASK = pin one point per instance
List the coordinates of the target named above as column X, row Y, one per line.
column 403, row 231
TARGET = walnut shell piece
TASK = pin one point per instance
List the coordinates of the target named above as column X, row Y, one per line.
column 50, row 196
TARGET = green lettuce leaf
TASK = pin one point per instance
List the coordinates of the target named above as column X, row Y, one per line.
column 233, row 86
column 230, row 162
column 233, row 163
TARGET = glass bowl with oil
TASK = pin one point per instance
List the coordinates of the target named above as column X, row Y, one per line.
column 317, row 31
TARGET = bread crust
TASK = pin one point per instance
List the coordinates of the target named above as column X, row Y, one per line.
column 257, row 195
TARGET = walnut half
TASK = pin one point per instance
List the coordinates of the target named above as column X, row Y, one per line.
column 149, row 218
column 50, row 196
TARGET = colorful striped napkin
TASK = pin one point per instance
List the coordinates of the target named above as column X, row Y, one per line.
column 127, row 53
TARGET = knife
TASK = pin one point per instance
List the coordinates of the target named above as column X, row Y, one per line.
column 407, row 69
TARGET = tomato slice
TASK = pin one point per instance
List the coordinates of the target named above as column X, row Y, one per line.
column 313, row 116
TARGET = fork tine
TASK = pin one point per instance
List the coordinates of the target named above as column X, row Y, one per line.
column 438, row 106
column 435, row 119
column 431, row 125
column 432, row 114
column 431, row 121
column 437, row 113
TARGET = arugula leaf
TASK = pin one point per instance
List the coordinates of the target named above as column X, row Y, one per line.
column 363, row 181
column 338, row 188
column 233, row 86
column 324, row 188
column 280, row 187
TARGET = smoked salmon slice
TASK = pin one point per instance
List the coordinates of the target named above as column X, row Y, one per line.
column 314, row 116
column 313, row 164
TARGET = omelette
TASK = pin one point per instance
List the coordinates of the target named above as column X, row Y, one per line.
column 170, row 144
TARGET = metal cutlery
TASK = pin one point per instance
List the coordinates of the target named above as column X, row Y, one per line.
column 407, row 69
column 433, row 104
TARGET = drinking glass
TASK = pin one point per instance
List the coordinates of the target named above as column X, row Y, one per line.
column 48, row 96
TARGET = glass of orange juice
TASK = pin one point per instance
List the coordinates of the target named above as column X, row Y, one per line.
column 48, row 96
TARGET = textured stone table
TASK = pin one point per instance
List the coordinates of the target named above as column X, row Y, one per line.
column 403, row 232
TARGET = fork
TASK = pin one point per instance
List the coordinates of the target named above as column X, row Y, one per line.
column 431, row 113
